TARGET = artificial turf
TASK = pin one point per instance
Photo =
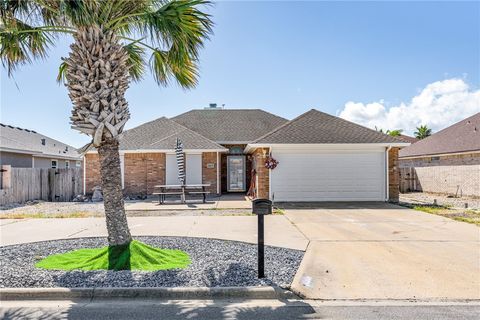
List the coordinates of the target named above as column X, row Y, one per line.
column 133, row 256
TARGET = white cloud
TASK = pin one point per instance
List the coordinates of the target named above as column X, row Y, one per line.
column 438, row 105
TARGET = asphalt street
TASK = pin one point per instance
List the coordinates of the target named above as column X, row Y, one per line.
column 256, row 309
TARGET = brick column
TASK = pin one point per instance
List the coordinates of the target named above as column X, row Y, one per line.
column 393, row 176
column 263, row 177
column 92, row 172
column 209, row 170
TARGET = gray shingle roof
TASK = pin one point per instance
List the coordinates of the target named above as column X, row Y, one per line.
column 16, row 139
column 230, row 125
column 318, row 127
column 463, row 136
column 161, row 134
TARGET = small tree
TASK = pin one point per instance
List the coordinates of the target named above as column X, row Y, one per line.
column 393, row 133
column 422, row 132
column 110, row 41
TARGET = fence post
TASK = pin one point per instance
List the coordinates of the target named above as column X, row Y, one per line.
column 6, row 177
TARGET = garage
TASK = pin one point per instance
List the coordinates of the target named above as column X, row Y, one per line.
column 325, row 158
column 323, row 174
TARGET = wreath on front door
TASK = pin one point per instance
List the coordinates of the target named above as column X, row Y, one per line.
column 271, row 163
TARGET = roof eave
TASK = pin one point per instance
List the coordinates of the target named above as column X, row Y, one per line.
column 252, row 146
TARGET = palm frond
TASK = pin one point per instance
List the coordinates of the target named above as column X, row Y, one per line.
column 21, row 43
column 136, row 60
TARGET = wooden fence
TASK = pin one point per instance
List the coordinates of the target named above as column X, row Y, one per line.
column 408, row 180
column 24, row 184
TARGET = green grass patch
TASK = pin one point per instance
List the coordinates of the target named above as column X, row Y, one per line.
column 430, row 209
column 133, row 256
column 463, row 215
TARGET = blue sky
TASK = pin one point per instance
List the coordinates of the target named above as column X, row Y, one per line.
column 289, row 57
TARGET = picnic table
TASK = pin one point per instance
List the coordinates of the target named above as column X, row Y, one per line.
column 181, row 190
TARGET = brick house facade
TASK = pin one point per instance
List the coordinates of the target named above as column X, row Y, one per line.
column 143, row 171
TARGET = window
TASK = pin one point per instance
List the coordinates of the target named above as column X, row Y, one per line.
column 236, row 150
column 435, row 158
column 67, row 164
column 78, row 164
column 54, row 164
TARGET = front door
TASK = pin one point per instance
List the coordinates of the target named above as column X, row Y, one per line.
column 236, row 174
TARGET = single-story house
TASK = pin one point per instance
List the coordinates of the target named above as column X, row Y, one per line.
column 24, row 148
column 447, row 162
column 321, row 157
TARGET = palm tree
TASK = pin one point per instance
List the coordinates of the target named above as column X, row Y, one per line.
column 395, row 133
column 422, row 132
column 110, row 41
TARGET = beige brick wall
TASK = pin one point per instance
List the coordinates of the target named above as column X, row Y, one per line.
column 263, row 177
column 209, row 175
column 393, row 175
column 143, row 171
column 453, row 174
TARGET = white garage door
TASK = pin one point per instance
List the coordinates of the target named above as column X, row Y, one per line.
column 304, row 175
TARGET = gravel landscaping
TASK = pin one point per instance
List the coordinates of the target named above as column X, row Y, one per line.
column 215, row 263
column 442, row 200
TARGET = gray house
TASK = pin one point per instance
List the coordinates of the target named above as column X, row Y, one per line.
column 23, row 148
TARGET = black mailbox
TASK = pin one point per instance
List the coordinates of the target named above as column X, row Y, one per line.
column 262, row 206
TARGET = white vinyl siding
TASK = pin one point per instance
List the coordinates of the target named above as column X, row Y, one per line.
column 193, row 168
column 329, row 175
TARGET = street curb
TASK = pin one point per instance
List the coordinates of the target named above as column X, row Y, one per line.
column 179, row 293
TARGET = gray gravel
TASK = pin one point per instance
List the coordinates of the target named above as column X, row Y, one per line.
column 215, row 263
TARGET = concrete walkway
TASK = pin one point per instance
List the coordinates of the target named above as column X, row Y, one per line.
column 381, row 251
column 278, row 229
column 227, row 201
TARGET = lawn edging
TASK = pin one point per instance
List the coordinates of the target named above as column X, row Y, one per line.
column 176, row 293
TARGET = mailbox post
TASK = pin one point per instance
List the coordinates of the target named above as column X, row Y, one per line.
column 261, row 207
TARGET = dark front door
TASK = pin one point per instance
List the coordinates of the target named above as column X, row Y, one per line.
column 236, row 173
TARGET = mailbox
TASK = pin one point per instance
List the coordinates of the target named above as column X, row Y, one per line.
column 262, row 206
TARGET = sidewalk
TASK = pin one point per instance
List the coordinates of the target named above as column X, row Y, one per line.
column 278, row 230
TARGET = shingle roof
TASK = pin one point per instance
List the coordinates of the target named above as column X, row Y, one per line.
column 16, row 139
column 161, row 134
column 408, row 139
column 461, row 137
column 318, row 127
column 230, row 125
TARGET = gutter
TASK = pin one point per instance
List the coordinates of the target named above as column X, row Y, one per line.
column 387, row 186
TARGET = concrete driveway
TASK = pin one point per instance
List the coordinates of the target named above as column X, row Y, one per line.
column 383, row 251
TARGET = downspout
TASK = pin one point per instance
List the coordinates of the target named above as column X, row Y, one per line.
column 84, row 175
column 387, row 187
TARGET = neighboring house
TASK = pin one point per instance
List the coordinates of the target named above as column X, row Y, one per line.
column 321, row 157
column 23, row 148
column 447, row 162
column 408, row 139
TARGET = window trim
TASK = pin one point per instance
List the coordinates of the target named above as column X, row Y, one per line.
column 67, row 164
column 56, row 163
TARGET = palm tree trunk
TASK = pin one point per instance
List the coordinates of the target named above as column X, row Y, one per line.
column 97, row 77
column 117, row 227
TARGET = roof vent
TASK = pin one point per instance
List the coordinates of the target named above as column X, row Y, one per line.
column 214, row 106
column 43, row 142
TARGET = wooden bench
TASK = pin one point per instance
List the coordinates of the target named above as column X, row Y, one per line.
column 161, row 195
column 203, row 193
